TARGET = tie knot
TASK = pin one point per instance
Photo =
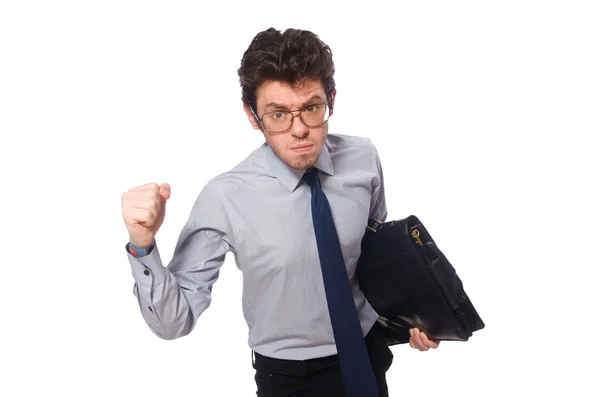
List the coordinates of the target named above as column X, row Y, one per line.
column 310, row 177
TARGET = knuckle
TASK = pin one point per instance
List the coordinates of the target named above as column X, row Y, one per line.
column 148, row 216
column 153, row 194
column 126, row 196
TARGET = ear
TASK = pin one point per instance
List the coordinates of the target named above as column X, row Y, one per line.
column 332, row 101
column 252, row 118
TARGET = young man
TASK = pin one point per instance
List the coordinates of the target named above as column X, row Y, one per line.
column 293, row 213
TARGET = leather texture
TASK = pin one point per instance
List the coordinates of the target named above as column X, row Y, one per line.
column 410, row 283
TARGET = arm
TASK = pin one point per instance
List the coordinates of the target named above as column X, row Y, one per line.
column 418, row 339
column 172, row 298
column 378, row 208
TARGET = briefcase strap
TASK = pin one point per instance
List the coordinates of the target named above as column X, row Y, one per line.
column 373, row 224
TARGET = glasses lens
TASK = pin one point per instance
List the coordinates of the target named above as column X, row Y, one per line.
column 315, row 115
column 277, row 121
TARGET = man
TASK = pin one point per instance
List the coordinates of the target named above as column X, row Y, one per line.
column 293, row 213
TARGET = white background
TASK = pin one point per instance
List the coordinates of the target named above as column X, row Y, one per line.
column 486, row 116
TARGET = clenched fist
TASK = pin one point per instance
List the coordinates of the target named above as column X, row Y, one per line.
column 144, row 211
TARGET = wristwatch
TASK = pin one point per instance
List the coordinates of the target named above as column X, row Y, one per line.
column 139, row 252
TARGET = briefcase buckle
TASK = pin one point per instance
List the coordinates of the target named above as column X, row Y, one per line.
column 374, row 224
column 417, row 236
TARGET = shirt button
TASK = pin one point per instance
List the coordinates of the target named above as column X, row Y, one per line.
column 147, row 272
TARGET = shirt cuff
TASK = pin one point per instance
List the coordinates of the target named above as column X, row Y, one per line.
column 140, row 252
column 147, row 270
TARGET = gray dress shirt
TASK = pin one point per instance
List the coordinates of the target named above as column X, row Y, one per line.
column 261, row 212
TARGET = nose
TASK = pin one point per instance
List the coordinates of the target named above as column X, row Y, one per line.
column 298, row 128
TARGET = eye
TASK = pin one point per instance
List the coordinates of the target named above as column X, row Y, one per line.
column 311, row 108
column 277, row 115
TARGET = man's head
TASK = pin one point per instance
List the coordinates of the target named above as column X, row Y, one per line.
column 288, row 92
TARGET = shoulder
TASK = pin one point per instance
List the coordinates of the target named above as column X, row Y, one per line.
column 340, row 141
column 252, row 167
column 352, row 148
column 213, row 201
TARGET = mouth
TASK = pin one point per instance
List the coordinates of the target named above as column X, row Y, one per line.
column 302, row 148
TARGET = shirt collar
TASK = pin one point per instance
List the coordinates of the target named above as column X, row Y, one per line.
column 289, row 176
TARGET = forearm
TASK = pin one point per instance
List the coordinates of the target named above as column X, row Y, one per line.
column 162, row 301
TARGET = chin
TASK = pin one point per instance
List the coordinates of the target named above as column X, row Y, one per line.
column 301, row 163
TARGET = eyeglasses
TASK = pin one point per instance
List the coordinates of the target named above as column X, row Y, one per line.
column 312, row 116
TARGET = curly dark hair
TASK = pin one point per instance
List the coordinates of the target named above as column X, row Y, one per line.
column 290, row 56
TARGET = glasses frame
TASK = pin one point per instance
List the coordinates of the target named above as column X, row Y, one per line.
column 299, row 115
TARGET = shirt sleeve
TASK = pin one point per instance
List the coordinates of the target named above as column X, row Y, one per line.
column 378, row 208
column 172, row 298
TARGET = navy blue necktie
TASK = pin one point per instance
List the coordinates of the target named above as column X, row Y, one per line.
column 355, row 364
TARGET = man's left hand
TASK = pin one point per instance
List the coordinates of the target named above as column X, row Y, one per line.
column 418, row 340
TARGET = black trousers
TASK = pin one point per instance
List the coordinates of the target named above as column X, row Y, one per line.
column 320, row 377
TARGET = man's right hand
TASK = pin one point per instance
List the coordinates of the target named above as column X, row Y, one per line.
column 144, row 211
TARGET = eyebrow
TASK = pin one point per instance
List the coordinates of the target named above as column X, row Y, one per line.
column 275, row 105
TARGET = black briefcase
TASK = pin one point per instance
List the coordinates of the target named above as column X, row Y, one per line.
column 410, row 283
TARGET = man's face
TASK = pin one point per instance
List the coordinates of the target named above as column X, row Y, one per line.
column 300, row 145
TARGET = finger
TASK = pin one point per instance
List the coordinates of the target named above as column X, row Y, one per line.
column 142, row 216
column 150, row 191
column 165, row 191
column 411, row 343
column 152, row 203
column 414, row 334
column 148, row 187
column 419, row 342
column 137, row 194
column 427, row 342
